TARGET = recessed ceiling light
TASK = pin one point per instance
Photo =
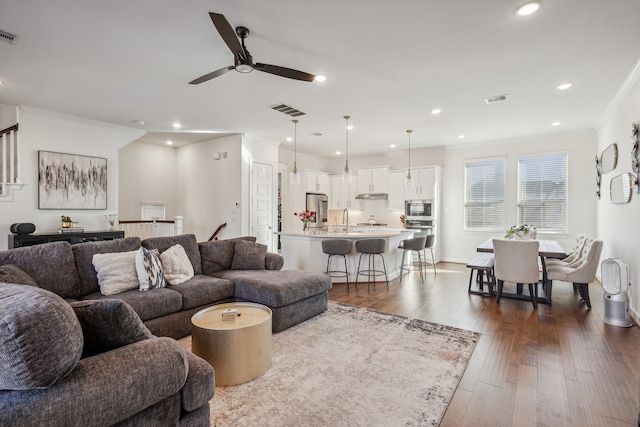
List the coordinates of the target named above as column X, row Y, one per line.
column 177, row 125
column 564, row 86
column 338, row 153
column 289, row 139
column 555, row 124
column 138, row 122
column 350, row 127
column 460, row 136
column 436, row 111
column 392, row 146
column 319, row 78
column 169, row 142
column 528, row 8
column 1, row 82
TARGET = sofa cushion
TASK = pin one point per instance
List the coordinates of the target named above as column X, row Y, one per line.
column 116, row 272
column 248, row 256
column 176, row 265
column 276, row 288
column 11, row 273
column 187, row 241
column 108, row 324
column 51, row 265
column 149, row 269
column 201, row 290
column 148, row 305
column 83, row 254
column 40, row 338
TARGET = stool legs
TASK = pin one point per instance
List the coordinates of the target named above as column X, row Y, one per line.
column 371, row 269
column 338, row 273
column 410, row 267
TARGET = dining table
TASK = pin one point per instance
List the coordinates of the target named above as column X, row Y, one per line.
column 546, row 249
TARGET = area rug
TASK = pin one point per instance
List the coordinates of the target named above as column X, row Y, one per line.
column 351, row 366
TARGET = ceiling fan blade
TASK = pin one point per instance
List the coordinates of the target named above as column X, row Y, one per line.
column 227, row 33
column 285, row 72
column 212, row 75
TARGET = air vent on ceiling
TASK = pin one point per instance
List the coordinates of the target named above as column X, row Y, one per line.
column 283, row 108
column 316, row 134
column 498, row 98
column 8, row 37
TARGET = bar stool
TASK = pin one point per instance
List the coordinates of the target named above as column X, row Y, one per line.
column 371, row 248
column 337, row 247
column 415, row 244
column 431, row 239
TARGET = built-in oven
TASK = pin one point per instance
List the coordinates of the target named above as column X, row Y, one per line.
column 418, row 210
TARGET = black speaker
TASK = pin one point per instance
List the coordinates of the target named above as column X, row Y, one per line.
column 22, row 228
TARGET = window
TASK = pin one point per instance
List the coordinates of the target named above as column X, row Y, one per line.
column 542, row 192
column 484, row 194
column 152, row 211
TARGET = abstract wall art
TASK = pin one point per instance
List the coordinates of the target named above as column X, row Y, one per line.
column 69, row 181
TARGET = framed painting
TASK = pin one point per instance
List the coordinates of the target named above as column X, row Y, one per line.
column 70, row 181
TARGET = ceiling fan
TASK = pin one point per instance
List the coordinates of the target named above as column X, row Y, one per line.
column 243, row 61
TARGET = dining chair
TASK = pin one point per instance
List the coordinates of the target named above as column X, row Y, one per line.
column 582, row 272
column 516, row 261
column 573, row 256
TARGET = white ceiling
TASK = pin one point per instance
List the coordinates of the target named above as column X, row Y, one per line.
column 388, row 63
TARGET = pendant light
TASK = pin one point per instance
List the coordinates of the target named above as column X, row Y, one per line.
column 294, row 176
column 346, row 173
column 409, row 180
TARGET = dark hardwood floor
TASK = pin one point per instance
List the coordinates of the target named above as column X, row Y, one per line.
column 559, row 365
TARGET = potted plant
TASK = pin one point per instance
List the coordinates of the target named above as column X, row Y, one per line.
column 66, row 221
column 523, row 232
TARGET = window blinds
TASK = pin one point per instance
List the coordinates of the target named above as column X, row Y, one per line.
column 484, row 194
column 542, row 192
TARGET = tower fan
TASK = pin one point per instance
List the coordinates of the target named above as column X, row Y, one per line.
column 615, row 282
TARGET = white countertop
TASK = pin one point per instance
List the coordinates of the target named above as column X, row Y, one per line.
column 355, row 234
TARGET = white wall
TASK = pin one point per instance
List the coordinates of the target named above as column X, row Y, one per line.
column 459, row 245
column 8, row 116
column 43, row 130
column 618, row 225
column 147, row 174
column 210, row 191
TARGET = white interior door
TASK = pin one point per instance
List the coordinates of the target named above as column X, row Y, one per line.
column 262, row 203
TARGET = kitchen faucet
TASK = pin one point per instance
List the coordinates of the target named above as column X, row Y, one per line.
column 345, row 213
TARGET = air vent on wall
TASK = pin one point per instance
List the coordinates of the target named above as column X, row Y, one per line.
column 8, row 37
column 498, row 98
column 290, row 111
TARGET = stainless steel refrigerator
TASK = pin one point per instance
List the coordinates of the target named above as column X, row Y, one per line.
column 319, row 203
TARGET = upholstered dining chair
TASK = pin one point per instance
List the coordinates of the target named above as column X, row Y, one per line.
column 582, row 272
column 516, row 261
column 573, row 256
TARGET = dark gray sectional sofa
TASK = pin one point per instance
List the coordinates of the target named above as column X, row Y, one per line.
column 222, row 274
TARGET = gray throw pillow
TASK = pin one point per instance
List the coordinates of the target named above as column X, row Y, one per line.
column 248, row 256
column 40, row 338
column 217, row 255
column 11, row 273
column 108, row 324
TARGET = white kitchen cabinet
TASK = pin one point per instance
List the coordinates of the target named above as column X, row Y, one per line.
column 342, row 195
column 316, row 182
column 373, row 180
column 396, row 190
column 424, row 182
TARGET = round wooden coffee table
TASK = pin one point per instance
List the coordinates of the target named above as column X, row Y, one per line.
column 237, row 344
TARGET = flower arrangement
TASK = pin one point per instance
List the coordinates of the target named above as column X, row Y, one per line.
column 306, row 217
column 523, row 232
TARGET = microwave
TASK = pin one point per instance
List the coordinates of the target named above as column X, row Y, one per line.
column 418, row 209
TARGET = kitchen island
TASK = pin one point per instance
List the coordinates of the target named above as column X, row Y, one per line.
column 303, row 251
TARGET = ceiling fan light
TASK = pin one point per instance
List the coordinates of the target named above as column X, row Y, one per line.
column 244, row 68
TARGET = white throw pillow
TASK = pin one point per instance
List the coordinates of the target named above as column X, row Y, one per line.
column 176, row 265
column 149, row 269
column 116, row 272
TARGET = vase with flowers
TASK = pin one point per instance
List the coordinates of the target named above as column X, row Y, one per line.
column 306, row 217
